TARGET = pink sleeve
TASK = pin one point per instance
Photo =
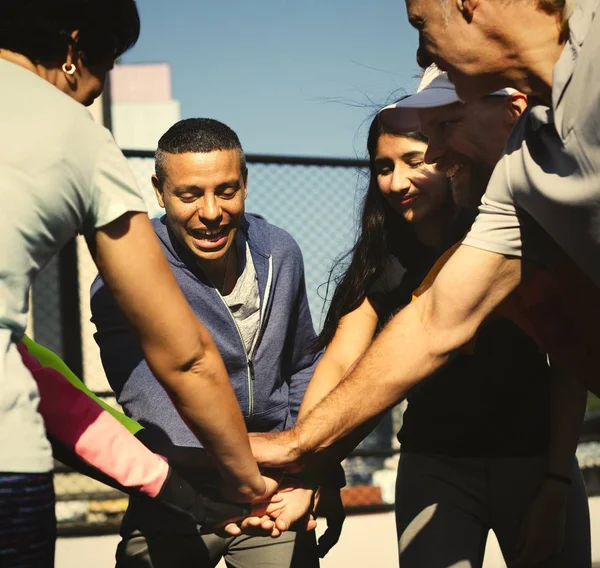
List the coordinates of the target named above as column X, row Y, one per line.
column 94, row 435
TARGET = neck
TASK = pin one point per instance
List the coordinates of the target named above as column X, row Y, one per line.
column 19, row 59
column 534, row 47
column 223, row 273
column 432, row 231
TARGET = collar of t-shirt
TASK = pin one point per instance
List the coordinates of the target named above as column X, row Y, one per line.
column 580, row 22
column 244, row 300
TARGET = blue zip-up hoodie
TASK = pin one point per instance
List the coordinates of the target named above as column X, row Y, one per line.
column 269, row 386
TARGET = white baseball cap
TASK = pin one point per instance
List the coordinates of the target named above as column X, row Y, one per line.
column 435, row 90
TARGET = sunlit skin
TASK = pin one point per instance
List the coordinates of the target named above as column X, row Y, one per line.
column 467, row 140
column 413, row 188
column 203, row 195
column 486, row 45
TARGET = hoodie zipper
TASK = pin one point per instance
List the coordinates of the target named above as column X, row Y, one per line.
column 249, row 358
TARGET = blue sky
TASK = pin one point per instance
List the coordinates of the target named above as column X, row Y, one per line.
column 291, row 77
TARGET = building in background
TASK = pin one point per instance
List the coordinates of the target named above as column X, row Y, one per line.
column 141, row 109
column 142, row 104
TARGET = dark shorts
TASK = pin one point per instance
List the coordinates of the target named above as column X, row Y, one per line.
column 27, row 520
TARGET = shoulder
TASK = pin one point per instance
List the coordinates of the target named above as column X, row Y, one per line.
column 73, row 126
column 60, row 131
column 83, row 146
column 271, row 239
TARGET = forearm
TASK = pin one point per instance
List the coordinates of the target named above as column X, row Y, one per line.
column 416, row 343
column 353, row 335
column 327, row 376
column 343, row 446
column 84, row 432
column 206, row 401
column 568, row 403
column 401, row 356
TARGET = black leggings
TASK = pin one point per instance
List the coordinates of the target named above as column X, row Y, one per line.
column 27, row 520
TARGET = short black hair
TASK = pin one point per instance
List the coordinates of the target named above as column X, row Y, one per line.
column 197, row 135
column 41, row 29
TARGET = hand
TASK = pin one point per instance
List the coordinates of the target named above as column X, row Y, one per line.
column 290, row 506
column 265, row 524
column 271, row 479
column 328, row 503
column 294, row 509
column 276, row 449
column 543, row 525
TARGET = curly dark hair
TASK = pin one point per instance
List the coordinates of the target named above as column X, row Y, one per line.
column 41, row 29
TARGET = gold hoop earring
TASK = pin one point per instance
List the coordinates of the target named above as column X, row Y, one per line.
column 69, row 70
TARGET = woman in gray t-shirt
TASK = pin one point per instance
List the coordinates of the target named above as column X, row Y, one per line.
column 62, row 174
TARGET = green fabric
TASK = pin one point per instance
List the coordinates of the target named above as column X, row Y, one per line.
column 49, row 359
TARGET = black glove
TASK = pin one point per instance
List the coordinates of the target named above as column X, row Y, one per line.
column 206, row 509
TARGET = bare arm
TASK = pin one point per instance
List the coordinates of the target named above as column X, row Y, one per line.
column 177, row 347
column 416, row 343
column 352, row 337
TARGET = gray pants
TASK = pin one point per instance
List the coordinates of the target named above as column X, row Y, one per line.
column 137, row 550
column 445, row 508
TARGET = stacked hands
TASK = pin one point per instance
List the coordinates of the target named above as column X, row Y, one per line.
column 294, row 506
column 289, row 503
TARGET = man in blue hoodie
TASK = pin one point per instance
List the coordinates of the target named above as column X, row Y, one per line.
column 244, row 278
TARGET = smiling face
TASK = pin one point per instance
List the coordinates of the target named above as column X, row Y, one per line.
column 414, row 189
column 203, row 195
column 462, row 41
column 466, row 142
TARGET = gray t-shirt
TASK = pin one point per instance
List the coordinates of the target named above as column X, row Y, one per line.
column 60, row 174
column 547, row 185
column 244, row 300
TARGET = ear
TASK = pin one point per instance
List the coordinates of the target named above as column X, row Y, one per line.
column 73, row 55
column 158, row 191
column 72, row 61
column 517, row 103
column 245, row 184
column 467, row 8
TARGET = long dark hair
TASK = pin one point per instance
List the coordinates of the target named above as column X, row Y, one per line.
column 381, row 231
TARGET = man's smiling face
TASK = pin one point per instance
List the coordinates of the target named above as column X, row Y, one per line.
column 466, row 141
column 203, row 194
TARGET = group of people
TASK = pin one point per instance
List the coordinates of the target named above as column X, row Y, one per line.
column 472, row 268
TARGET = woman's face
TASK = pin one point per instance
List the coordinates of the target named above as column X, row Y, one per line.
column 414, row 189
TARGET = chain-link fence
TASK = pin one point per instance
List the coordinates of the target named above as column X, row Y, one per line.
column 315, row 200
